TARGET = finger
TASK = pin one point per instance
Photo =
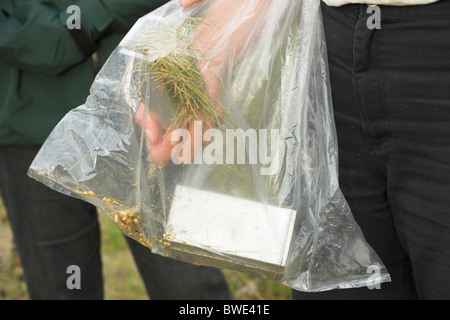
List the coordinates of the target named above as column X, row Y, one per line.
column 211, row 79
column 140, row 114
column 185, row 3
column 161, row 153
column 149, row 123
column 160, row 146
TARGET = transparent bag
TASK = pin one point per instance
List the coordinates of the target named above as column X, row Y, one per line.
column 208, row 136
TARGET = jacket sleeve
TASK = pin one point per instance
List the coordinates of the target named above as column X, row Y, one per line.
column 35, row 37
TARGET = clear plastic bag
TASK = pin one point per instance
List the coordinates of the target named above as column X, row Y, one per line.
column 251, row 180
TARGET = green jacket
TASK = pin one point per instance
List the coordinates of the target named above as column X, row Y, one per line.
column 44, row 70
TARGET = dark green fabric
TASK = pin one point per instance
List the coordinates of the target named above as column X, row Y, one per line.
column 43, row 74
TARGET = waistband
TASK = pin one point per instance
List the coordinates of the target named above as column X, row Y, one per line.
column 437, row 9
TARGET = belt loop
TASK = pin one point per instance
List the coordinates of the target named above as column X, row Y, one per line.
column 362, row 10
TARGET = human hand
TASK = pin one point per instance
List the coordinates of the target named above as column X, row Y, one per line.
column 218, row 42
column 162, row 142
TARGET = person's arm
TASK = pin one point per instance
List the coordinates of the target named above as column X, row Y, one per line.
column 35, row 37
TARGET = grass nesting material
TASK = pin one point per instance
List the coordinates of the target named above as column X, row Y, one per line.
column 175, row 70
column 180, row 76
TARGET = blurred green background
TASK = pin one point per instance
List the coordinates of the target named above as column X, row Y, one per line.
column 122, row 280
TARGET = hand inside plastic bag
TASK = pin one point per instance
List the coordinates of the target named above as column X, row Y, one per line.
column 221, row 40
column 185, row 3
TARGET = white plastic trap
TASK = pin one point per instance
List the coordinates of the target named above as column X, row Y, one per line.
column 234, row 233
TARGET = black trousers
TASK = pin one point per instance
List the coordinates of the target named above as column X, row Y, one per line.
column 391, row 96
column 53, row 231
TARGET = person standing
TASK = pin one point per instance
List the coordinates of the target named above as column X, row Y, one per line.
column 389, row 83
column 390, row 87
column 47, row 68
